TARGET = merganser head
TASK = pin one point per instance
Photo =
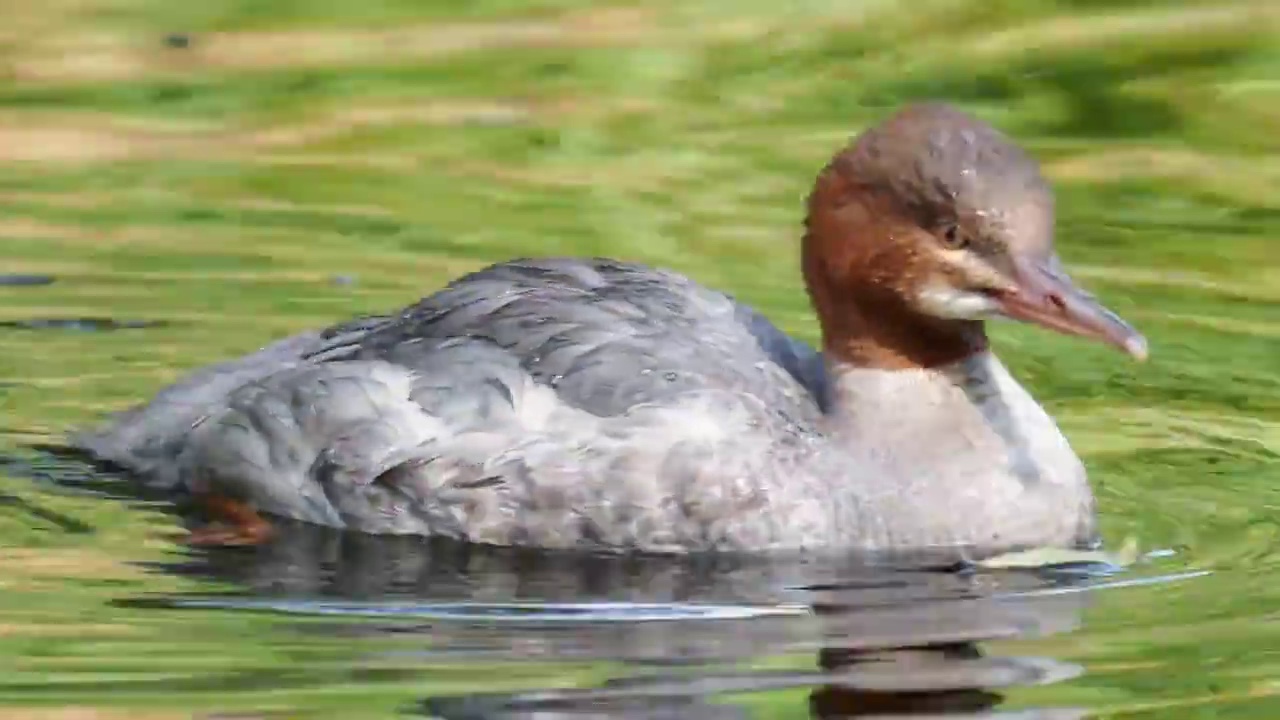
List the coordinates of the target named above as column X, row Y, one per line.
column 928, row 224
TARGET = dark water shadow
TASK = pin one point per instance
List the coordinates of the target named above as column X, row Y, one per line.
column 61, row 521
column 81, row 324
column 47, row 470
column 24, row 280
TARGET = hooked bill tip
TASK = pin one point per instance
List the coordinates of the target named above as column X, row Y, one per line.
column 1136, row 346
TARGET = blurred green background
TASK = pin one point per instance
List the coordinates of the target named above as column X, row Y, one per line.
column 244, row 169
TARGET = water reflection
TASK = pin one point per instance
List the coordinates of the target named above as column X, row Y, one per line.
column 81, row 324
column 865, row 639
column 24, row 279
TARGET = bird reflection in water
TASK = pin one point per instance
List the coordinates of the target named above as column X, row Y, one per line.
column 890, row 638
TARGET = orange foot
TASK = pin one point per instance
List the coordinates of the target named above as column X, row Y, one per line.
column 240, row 524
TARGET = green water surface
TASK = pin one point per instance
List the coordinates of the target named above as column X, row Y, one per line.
column 285, row 164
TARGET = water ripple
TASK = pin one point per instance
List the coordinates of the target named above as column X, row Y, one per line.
column 501, row 612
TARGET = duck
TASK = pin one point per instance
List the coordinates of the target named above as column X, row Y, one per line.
column 595, row 404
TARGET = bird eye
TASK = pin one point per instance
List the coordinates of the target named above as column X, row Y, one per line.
column 954, row 238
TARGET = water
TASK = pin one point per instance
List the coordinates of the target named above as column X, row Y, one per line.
column 660, row 637
column 210, row 177
column 862, row 639
column 683, row 634
column 684, row 638
column 79, row 324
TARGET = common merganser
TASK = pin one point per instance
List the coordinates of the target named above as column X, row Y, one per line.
column 610, row 406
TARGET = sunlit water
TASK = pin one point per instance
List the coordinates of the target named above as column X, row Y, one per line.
column 682, row 638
